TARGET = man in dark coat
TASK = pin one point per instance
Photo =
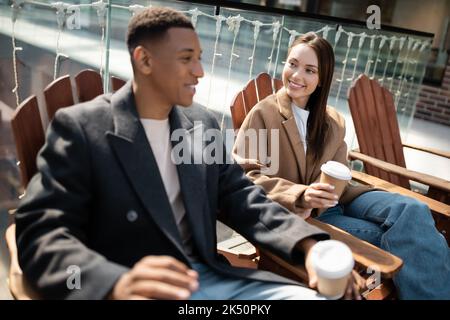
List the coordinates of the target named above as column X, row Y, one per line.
column 109, row 201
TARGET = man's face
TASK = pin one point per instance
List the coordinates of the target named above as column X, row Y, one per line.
column 176, row 66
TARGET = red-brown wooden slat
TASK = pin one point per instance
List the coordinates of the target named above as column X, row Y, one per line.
column 263, row 85
column 375, row 140
column 58, row 94
column 383, row 126
column 277, row 84
column 237, row 109
column 29, row 137
column 353, row 99
column 365, row 145
column 375, row 143
column 391, row 119
column 249, row 94
column 117, row 83
column 89, row 85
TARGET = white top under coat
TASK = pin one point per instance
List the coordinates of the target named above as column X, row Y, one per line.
column 301, row 119
column 158, row 135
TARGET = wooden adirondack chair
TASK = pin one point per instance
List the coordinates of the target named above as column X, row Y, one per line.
column 380, row 146
column 364, row 253
column 29, row 138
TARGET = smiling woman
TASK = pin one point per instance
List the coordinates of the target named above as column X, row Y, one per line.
column 311, row 134
column 307, row 77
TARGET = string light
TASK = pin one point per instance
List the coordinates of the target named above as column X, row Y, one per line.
column 404, row 69
column 234, row 24
column 16, row 6
column 275, row 31
column 362, row 37
column 256, row 29
column 341, row 79
column 388, row 60
column 377, row 59
column 219, row 20
column 134, row 8
column 101, row 8
column 401, row 43
column 68, row 15
column 194, row 15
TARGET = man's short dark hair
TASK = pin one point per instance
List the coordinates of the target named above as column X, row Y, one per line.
column 152, row 23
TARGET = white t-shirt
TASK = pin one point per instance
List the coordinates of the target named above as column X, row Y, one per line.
column 158, row 134
column 301, row 119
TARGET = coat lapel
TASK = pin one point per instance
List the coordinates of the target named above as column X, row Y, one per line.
column 133, row 151
column 284, row 105
column 192, row 177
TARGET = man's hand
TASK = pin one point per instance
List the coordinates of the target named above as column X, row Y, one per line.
column 319, row 195
column 354, row 285
column 156, row 277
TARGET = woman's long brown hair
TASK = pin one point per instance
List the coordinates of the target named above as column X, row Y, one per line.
column 317, row 126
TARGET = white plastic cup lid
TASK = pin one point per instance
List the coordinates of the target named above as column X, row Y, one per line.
column 332, row 259
column 336, row 170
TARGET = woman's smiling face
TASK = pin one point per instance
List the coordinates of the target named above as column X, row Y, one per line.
column 301, row 74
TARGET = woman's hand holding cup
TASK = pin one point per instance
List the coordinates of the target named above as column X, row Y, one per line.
column 319, row 195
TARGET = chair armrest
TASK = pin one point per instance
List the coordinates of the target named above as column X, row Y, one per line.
column 238, row 245
column 434, row 205
column 239, row 252
column 365, row 254
column 429, row 180
column 437, row 152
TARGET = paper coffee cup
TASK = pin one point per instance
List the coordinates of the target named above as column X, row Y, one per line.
column 336, row 174
column 333, row 262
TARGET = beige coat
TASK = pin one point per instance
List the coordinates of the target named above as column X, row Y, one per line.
column 295, row 170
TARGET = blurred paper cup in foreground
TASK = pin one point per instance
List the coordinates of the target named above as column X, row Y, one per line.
column 333, row 262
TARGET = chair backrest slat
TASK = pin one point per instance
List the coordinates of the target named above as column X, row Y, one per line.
column 250, row 95
column 357, row 97
column 29, row 137
column 89, row 85
column 263, row 85
column 117, row 83
column 58, row 94
column 237, row 109
column 375, row 120
column 277, row 83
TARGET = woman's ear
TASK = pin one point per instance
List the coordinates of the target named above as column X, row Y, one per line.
column 142, row 60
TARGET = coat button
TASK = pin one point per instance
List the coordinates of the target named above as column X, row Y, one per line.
column 132, row 215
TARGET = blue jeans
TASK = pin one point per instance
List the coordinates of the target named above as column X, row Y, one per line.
column 404, row 227
column 215, row 286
